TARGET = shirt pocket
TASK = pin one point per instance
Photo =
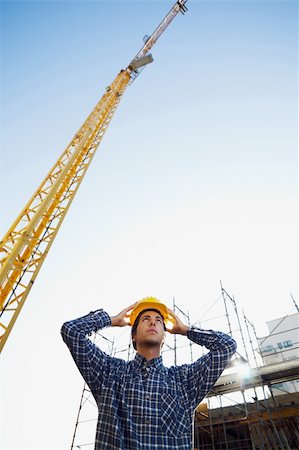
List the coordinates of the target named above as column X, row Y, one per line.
column 173, row 416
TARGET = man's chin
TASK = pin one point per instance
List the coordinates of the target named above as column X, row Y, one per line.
column 151, row 342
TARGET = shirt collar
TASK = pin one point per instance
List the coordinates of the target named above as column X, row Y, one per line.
column 140, row 362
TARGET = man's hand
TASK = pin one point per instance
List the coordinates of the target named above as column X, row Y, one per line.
column 122, row 318
column 179, row 327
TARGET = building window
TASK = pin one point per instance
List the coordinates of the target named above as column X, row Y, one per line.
column 267, row 348
column 287, row 343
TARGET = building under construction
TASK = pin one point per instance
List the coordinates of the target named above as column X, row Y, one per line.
column 263, row 424
column 255, row 403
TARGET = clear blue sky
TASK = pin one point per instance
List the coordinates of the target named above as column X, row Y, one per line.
column 195, row 180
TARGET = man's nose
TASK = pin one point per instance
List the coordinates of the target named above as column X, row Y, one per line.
column 153, row 322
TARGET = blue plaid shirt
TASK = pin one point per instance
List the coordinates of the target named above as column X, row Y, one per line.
column 143, row 405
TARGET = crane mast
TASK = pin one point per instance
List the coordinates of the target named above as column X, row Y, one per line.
column 26, row 244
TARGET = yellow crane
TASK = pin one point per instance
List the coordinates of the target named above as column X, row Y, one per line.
column 27, row 242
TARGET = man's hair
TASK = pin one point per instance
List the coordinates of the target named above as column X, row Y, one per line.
column 135, row 325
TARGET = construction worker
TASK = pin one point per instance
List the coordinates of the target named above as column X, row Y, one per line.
column 143, row 405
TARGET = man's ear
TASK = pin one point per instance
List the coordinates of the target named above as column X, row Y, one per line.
column 163, row 340
column 133, row 340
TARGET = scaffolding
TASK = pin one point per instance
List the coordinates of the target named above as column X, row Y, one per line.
column 247, row 408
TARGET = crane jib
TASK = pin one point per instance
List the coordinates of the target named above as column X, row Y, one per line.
column 179, row 6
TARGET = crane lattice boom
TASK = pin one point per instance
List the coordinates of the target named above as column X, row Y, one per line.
column 26, row 244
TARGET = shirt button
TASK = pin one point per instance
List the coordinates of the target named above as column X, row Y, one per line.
column 147, row 421
column 147, row 397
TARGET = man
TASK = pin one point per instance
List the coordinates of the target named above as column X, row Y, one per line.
column 143, row 405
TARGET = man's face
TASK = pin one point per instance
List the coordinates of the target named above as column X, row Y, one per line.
column 150, row 329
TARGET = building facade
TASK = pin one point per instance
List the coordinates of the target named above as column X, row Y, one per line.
column 281, row 344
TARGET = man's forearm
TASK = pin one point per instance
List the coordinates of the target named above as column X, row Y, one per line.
column 213, row 340
column 84, row 326
column 89, row 358
column 183, row 330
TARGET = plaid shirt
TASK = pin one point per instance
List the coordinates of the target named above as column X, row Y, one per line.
column 143, row 405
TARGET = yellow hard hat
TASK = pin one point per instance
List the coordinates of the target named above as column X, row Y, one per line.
column 151, row 303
